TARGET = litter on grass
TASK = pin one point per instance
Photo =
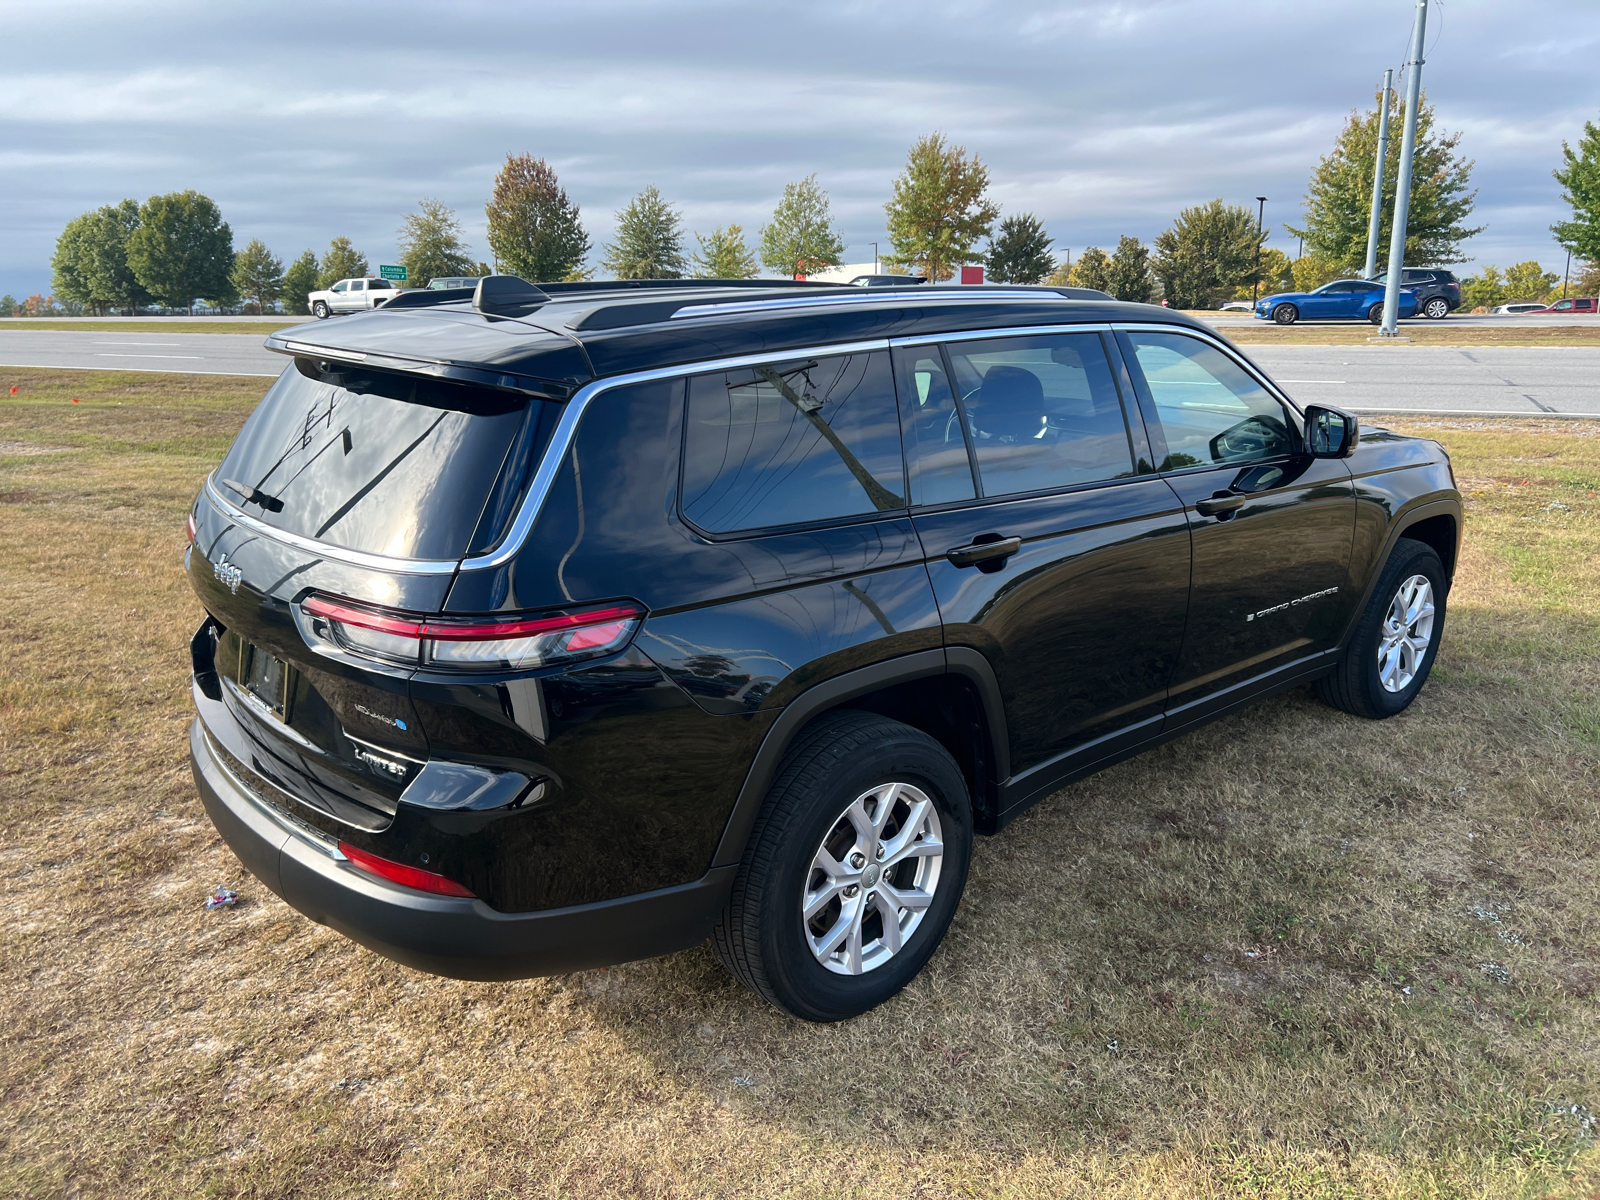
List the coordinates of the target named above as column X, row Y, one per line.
column 222, row 897
column 1494, row 971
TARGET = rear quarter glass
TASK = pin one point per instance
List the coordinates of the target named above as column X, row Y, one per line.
column 386, row 464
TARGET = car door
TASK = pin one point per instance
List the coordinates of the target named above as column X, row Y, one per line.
column 1055, row 551
column 1362, row 297
column 1322, row 303
column 1271, row 526
column 338, row 299
column 356, row 296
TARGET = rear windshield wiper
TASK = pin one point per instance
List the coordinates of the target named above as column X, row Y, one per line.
column 254, row 495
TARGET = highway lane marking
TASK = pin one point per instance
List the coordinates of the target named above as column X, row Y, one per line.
column 195, row 357
column 138, row 343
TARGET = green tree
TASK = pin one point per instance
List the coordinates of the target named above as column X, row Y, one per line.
column 940, row 209
column 298, row 282
column 1129, row 277
column 1020, row 252
column 8, row 305
column 1338, row 201
column 1585, row 279
column 1277, row 275
column 649, row 240
column 1092, row 270
column 1530, row 281
column 258, row 275
column 1485, row 289
column 341, row 261
column 724, row 255
column 182, row 250
column 1206, row 254
column 534, row 228
column 1579, row 177
column 430, row 244
column 72, row 265
column 1310, row 271
column 801, row 238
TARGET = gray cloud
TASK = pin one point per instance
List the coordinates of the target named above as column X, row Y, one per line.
column 309, row 121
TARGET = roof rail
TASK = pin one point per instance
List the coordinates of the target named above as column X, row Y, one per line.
column 860, row 295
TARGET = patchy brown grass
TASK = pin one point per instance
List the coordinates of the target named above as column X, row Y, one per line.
column 258, row 325
column 1433, row 333
column 1295, row 954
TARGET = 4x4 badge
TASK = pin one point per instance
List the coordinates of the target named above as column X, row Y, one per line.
column 228, row 573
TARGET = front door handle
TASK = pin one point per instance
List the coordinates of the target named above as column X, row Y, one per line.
column 1220, row 505
column 977, row 552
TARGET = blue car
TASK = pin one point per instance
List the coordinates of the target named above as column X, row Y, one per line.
column 1343, row 299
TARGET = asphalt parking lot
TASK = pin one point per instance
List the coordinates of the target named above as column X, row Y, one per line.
column 1486, row 380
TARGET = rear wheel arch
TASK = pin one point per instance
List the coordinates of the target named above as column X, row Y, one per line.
column 956, row 702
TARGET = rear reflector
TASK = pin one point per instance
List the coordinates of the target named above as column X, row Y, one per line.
column 472, row 643
column 411, row 877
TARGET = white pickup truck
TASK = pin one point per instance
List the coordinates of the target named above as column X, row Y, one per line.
column 350, row 295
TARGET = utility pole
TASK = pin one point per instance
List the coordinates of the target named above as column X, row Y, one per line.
column 1566, row 274
column 1377, row 177
column 1261, row 214
column 874, row 258
column 1402, row 190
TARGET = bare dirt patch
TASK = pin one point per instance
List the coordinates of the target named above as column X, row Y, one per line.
column 1253, row 962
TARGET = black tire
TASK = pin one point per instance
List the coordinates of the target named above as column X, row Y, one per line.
column 1357, row 685
column 1375, row 314
column 319, row 310
column 1286, row 314
column 1436, row 309
column 762, row 936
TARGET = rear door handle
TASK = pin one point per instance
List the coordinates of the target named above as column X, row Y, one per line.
column 1218, row 506
column 967, row 556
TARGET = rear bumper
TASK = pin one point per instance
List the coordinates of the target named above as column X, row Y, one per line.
column 463, row 939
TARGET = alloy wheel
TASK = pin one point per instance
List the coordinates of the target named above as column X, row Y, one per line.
column 872, row 878
column 1407, row 633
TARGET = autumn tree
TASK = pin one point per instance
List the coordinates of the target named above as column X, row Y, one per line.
column 1485, row 289
column 182, row 250
column 940, row 209
column 1020, row 251
column 1530, row 281
column 1092, row 270
column 1338, row 202
column 431, row 244
column 341, row 260
column 649, row 240
column 801, row 238
column 299, row 280
column 534, row 228
column 258, row 275
column 724, row 255
column 1128, row 275
column 1207, row 253
column 1579, row 177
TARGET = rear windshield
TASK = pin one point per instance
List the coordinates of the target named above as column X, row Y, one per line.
column 387, row 464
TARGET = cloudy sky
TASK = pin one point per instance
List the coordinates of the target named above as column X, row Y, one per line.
column 306, row 121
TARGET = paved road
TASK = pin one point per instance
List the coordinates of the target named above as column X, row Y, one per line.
column 188, row 353
column 1483, row 379
column 1483, row 321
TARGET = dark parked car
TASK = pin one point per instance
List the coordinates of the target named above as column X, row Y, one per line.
column 1438, row 291
column 551, row 629
column 1343, row 299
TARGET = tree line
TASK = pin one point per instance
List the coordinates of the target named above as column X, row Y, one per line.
column 175, row 248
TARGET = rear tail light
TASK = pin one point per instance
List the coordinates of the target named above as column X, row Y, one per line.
column 189, row 528
column 411, row 877
column 517, row 643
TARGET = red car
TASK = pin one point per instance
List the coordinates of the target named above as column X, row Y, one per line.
column 1581, row 304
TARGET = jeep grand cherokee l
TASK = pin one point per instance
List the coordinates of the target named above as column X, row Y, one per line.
column 554, row 628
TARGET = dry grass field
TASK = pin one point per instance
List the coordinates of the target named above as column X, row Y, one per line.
column 1416, row 333
column 1295, row 954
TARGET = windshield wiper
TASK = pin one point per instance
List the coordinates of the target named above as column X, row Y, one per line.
column 254, row 495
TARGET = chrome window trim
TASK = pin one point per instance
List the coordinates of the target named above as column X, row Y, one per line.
column 1211, row 339
column 857, row 296
column 934, row 339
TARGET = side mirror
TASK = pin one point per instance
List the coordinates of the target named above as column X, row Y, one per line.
column 1331, row 432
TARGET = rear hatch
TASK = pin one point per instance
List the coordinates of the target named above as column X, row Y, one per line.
column 359, row 484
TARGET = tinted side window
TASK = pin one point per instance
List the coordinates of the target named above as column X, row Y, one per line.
column 1042, row 412
column 339, row 287
column 936, row 452
column 358, row 285
column 1210, row 408
column 790, row 443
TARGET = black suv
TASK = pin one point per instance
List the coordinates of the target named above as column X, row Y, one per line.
column 1438, row 291
column 555, row 628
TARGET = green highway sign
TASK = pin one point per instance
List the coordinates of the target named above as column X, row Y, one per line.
column 398, row 274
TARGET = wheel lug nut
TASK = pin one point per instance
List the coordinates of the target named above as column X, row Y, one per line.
column 858, row 860
column 881, row 851
column 851, row 892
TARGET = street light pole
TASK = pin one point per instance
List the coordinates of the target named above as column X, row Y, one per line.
column 874, row 258
column 1566, row 274
column 1261, row 214
column 1402, row 190
column 1377, row 178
